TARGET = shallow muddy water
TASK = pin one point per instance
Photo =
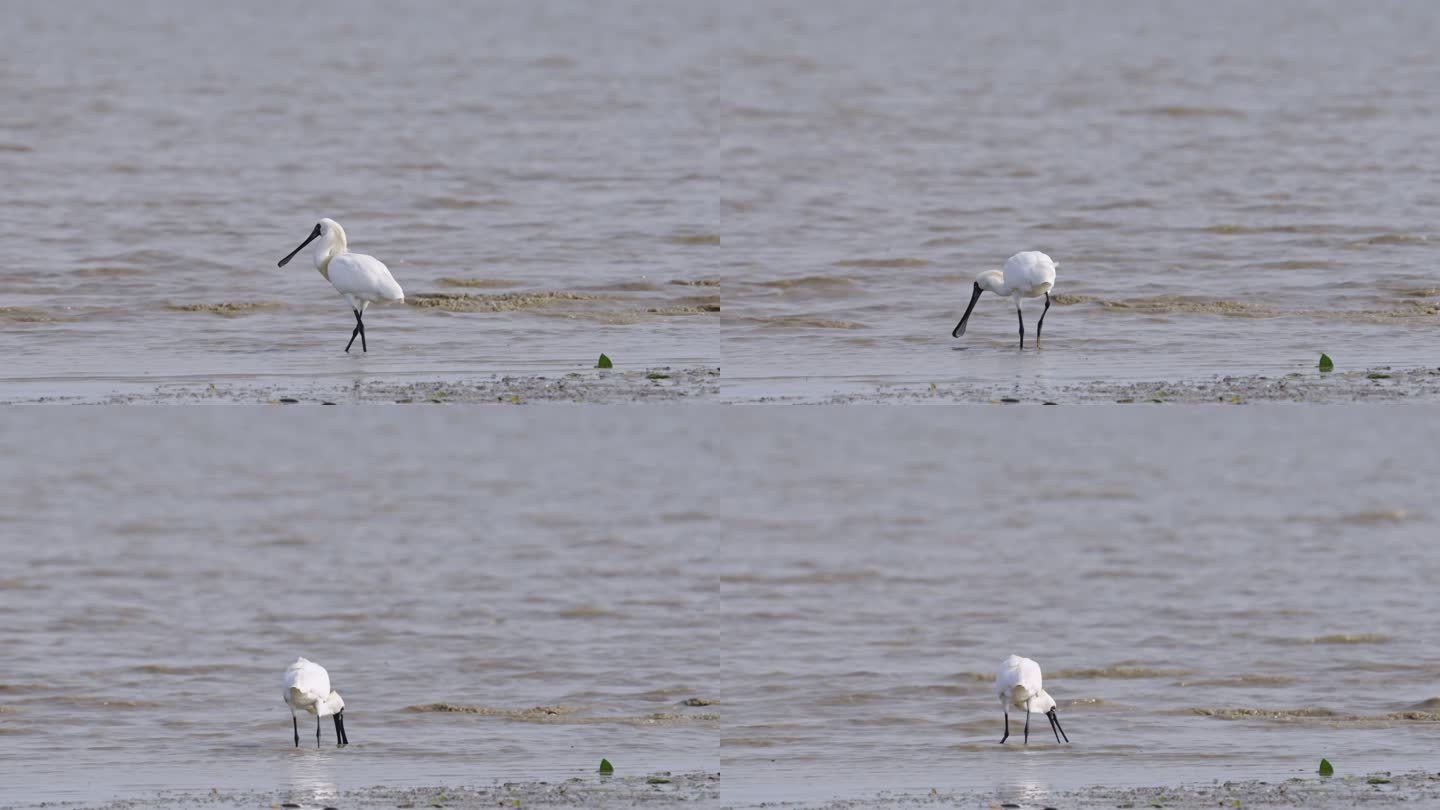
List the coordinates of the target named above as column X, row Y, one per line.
column 512, row 607
column 540, row 162
column 1229, row 189
column 1212, row 594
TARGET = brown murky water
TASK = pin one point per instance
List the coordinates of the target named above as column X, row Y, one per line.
column 1211, row 594
column 1230, row 188
column 514, row 606
column 530, row 173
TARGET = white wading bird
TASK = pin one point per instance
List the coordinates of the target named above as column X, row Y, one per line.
column 363, row 280
column 307, row 688
column 1018, row 684
column 1028, row 274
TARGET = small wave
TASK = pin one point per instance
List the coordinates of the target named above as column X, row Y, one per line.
column 20, row 584
column 1075, row 224
column 1392, row 239
column 1118, row 205
column 1297, row 264
column 695, row 239
column 699, row 282
column 1318, row 713
column 882, row 263
column 99, row 702
column 752, row 742
column 555, row 62
column 810, row 283
column 24, row 315
column 1185, row 111
column 230, row 309
column 1418, row 292
column 1120, row 672
column 565, row 715
column 1340, row 638
column 801, row 322
column 1244, row 681
column 162, row 669
column 1376, row 517
column 1267, row 714
column 587, row 612
column 1248, row 230
column 447, row 203
column 481, row 283
column 1172, row 305
column 698, row 309
column 533, row 713
column 503, row 302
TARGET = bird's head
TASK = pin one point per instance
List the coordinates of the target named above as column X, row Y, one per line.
column 332, row 238
column 332, row 704
column 991, row 280
column 1042, row 703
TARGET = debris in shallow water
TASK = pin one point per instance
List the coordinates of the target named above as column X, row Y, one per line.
column 604, row 362
column 606, row 767
column 1326, row 364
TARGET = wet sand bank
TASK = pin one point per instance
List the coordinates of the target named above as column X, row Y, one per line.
column 600, row 386
column 1383, row 384
column 661, row 789
column 1363, row 790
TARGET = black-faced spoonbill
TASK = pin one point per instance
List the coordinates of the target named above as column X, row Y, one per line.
column 307, row 688
column 1028, row 274
column 363, row 280
column 1019, row 685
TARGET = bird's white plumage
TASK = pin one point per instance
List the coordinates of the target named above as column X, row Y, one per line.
column 362, row 279
column 1020, row 685
column 1027, row 274
column 307, row 688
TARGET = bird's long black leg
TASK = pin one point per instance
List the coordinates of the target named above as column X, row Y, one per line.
column 355, row 332
column 1022, row 345
column 317, row 731
column 296, row 724
column 1041, row 325
column 1027, row 725
column 1002, row 739
column 361, row 321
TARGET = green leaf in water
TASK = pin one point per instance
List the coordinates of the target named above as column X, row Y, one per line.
column 604, row 362
column 1374, row 375
column 605, row 766
column 1326, row 364
column 1377, row 780
column 1326, row 769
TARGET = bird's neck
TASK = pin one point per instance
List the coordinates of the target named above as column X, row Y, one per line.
column 327, row 248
